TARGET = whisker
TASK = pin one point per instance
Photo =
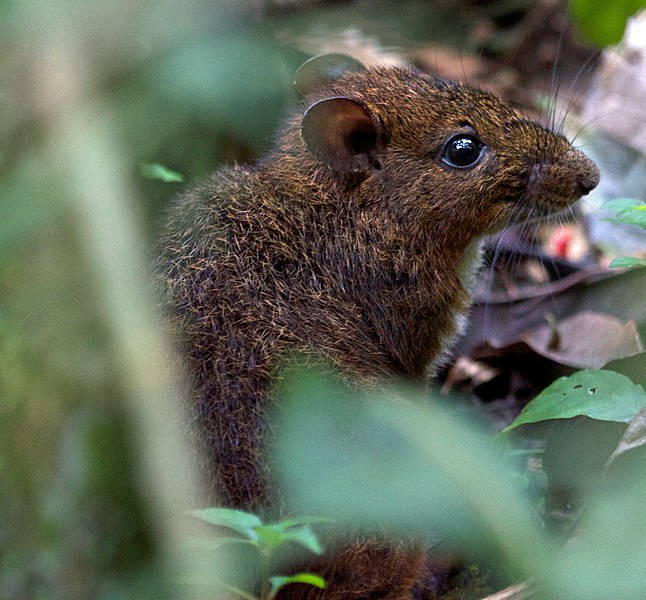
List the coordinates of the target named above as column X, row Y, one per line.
column 555, row 84
column 512, row 223
column 583, row 129
column 573, row 97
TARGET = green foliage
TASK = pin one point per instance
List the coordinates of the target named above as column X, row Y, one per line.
column 157, row 171
column 67, row 480
column 277, row 583
column 383, row 459
column 626, row 262
column 633, row 212
column 267, row 539
column 602, row 395
column 621, row 206
column 588, row 413
column 633, row 215
column 237, row 520
column 603, row 22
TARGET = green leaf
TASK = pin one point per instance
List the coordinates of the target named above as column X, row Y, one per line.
column 630, row 217
column 278, row 582
column 606, row 556
column 305, row 537
column 601, row 21
column 620, row 205
column 304, row 520
column 602, row 395
column 157, row 171
column 627, row 210
column 387, row 458
column 625, row 262
column 275, row 535
column 243, row 522
column 269, row 538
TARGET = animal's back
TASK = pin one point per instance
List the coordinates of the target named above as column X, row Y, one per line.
column 252, row 276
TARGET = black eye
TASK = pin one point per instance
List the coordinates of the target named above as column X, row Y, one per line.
column 462, row 151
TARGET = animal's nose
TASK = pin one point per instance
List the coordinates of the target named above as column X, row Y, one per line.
column 587, row 176
column 587, row 183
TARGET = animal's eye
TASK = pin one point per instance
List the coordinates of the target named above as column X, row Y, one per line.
column 462, row 151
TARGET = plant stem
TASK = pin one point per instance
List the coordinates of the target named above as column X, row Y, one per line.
column 265, row 583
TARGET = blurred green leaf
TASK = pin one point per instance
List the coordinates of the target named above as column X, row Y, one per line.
column 267, row 537
column 606, row 557
column 243, row 522
column 603, row 22
column 304, row 520
column 626, row 262
column 221, row 80
column 632, row 217
column 627, row 210
column 157, row 171
column 30, row 201
column 279, row 582
column 384, row 459
column 264, row 540
column 619, row 205
column 602, row 395
column 273, row 536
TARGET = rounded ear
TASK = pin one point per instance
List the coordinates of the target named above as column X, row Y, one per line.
column 321, row 70
column 344, row 134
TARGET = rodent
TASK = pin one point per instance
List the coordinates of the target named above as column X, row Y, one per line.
column 354, row 239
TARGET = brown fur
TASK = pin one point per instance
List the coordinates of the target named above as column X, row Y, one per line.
column 362, row 266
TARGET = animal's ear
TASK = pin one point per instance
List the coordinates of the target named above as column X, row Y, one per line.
column 321, row 70
column 344, row 134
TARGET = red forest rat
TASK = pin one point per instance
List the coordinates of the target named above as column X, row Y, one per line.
column 354, row 240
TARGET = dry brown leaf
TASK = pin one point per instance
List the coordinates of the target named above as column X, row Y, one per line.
column 586, row 340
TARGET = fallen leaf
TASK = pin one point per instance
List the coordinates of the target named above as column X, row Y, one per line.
column 587, row 340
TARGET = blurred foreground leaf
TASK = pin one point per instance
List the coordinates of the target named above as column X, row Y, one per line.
column 380, row 460
column 276, row 535
column 384, row 459
column 635, row 216
column 157, row 171
column 606, row 558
